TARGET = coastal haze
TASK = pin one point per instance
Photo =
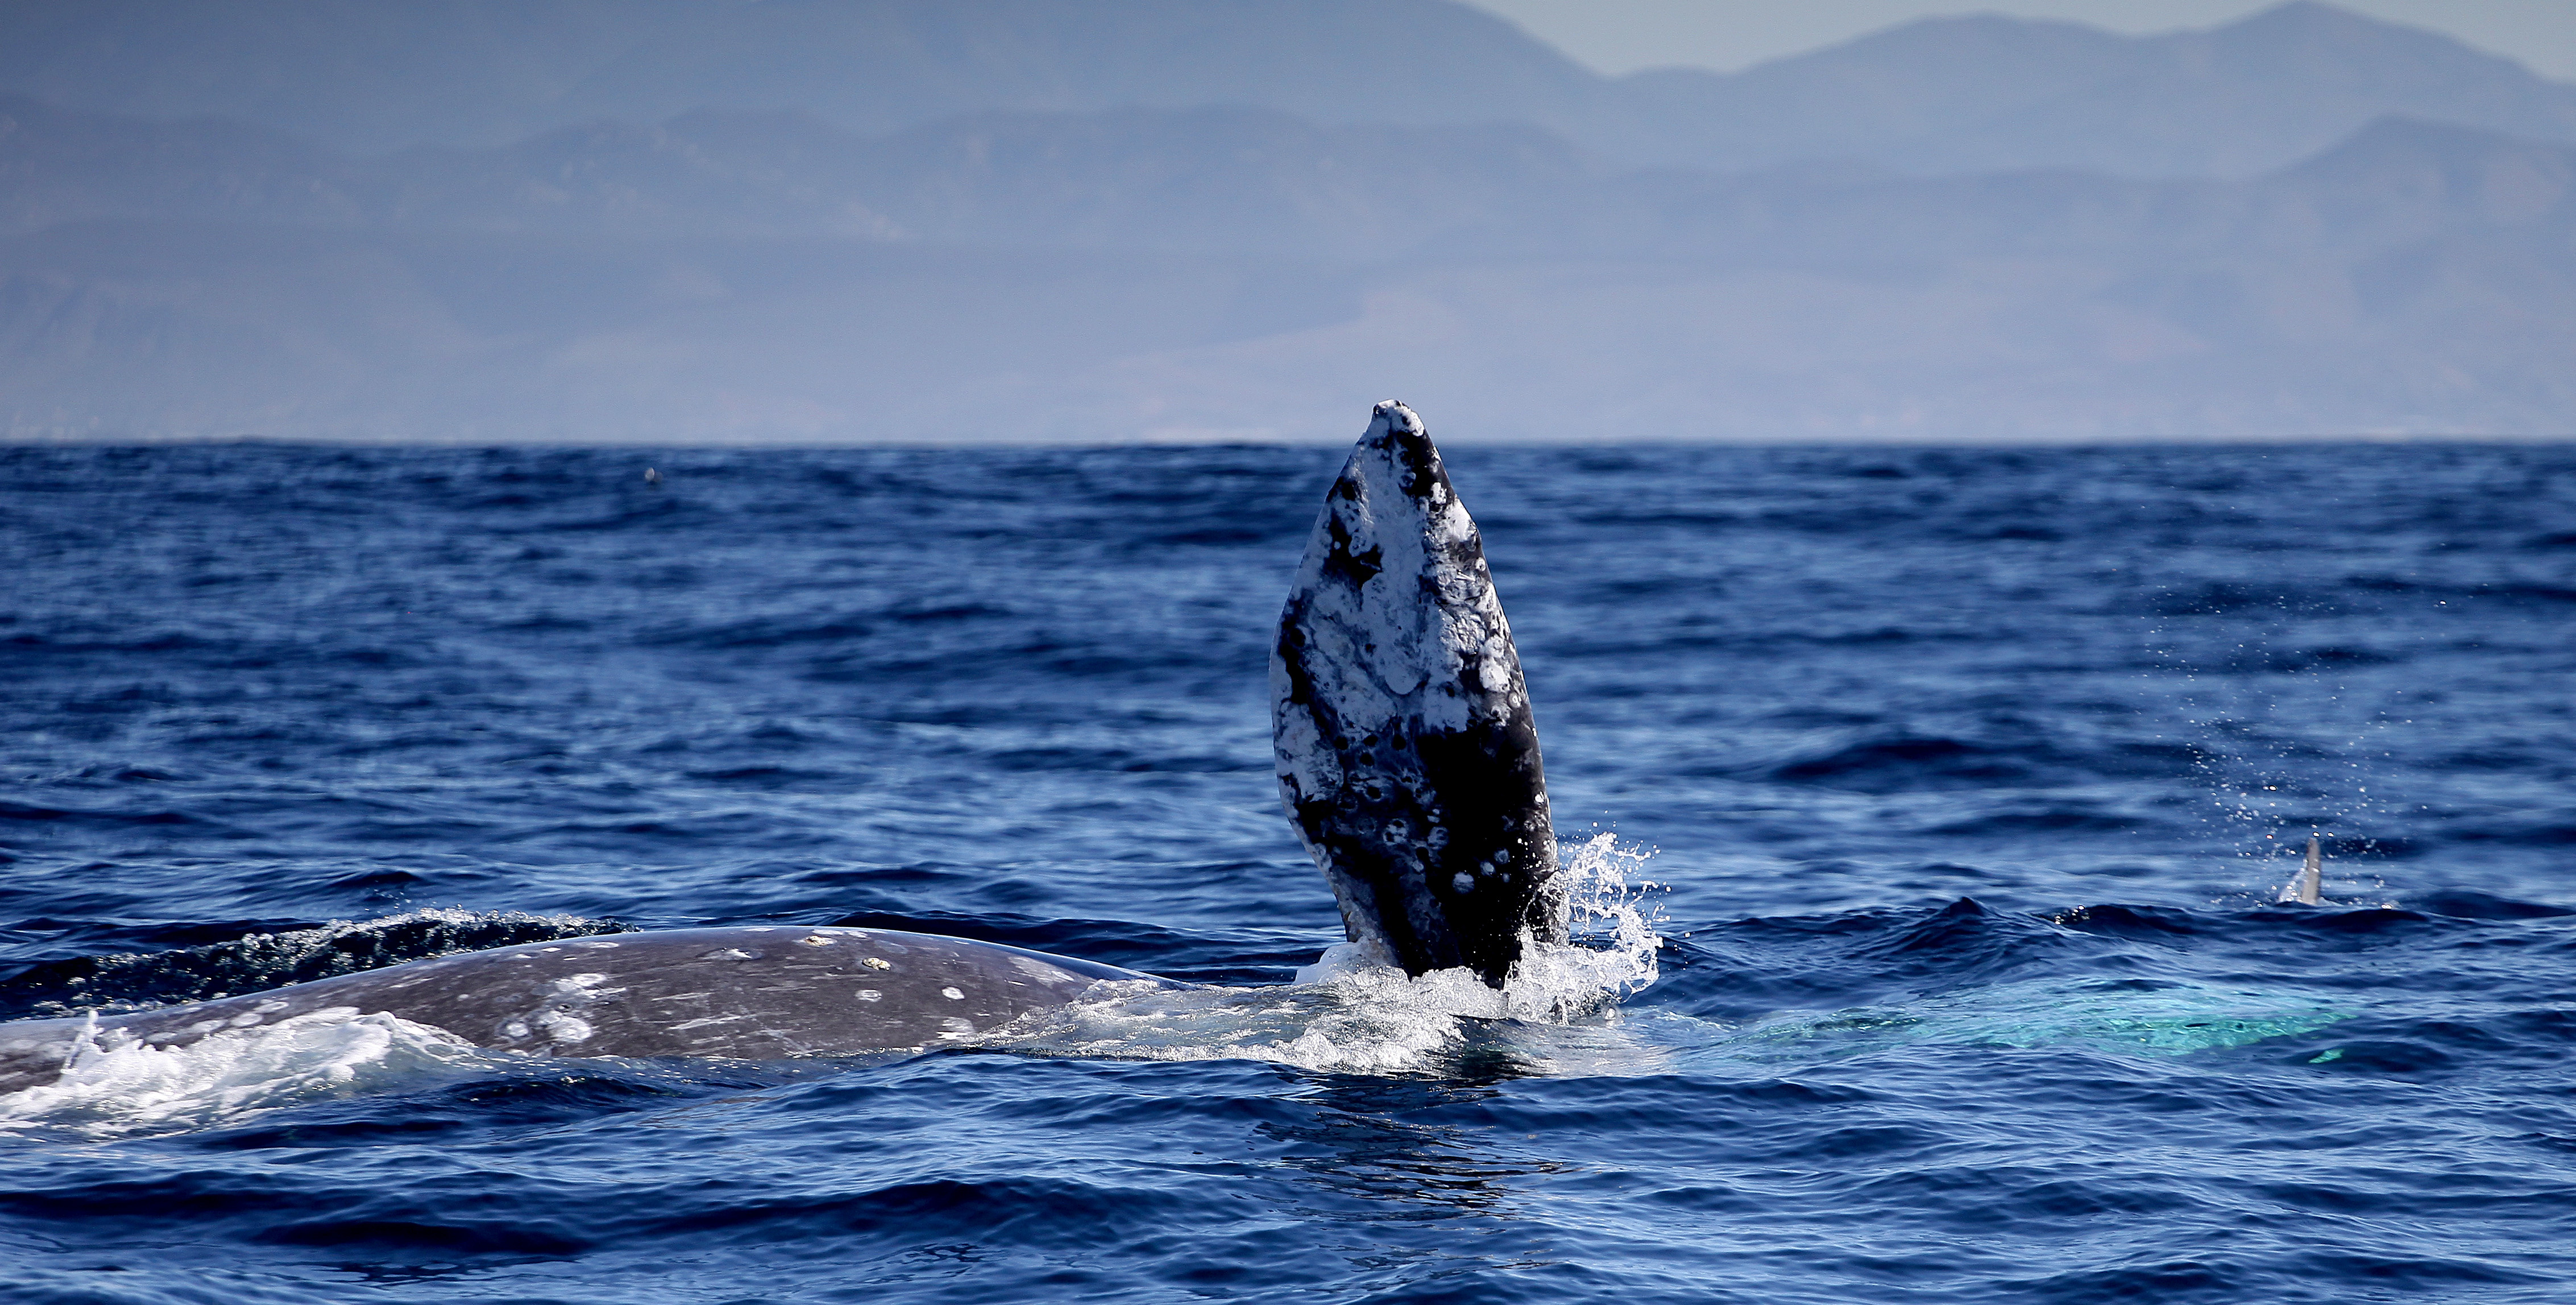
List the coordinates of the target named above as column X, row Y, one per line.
column 1042, row 220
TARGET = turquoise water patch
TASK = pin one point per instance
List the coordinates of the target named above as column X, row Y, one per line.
column 2165, row 1020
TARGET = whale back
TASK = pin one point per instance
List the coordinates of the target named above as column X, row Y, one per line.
column 760, row 992
column 1407, row 754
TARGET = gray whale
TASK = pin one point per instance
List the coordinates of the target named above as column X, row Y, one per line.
column 754, row 993
column 1406, row 755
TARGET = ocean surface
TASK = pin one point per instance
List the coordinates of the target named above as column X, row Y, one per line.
column 1929, row 808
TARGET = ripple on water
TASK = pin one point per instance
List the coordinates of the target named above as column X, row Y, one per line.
column 1964, row 767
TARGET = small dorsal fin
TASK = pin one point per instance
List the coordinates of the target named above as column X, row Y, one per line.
column 2305, row 885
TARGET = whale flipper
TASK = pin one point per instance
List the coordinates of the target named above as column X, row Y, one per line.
column 1407, row 754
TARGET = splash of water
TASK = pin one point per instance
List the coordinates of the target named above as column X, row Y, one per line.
column 113, row 1084
column 1615, row 938
column 1354, row 1011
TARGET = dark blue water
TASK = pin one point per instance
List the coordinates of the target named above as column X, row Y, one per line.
column 1967, row 778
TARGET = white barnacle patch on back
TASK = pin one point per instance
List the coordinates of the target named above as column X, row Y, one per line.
column 564, row 1026
column 565, row 1011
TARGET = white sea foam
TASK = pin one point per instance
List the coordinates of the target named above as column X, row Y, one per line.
column 112, row 1084
column 1353, row 1011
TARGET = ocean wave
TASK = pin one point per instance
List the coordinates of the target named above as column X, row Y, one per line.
column 112, row 1084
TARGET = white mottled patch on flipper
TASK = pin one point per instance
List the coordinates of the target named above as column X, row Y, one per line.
column 1397, row 656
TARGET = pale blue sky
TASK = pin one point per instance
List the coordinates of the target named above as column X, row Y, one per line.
column 1618, row 36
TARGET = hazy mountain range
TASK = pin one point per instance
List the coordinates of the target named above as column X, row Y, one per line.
column 1039, row 219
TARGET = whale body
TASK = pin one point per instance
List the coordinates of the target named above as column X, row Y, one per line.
column 760, row 992
column 1406, row 755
